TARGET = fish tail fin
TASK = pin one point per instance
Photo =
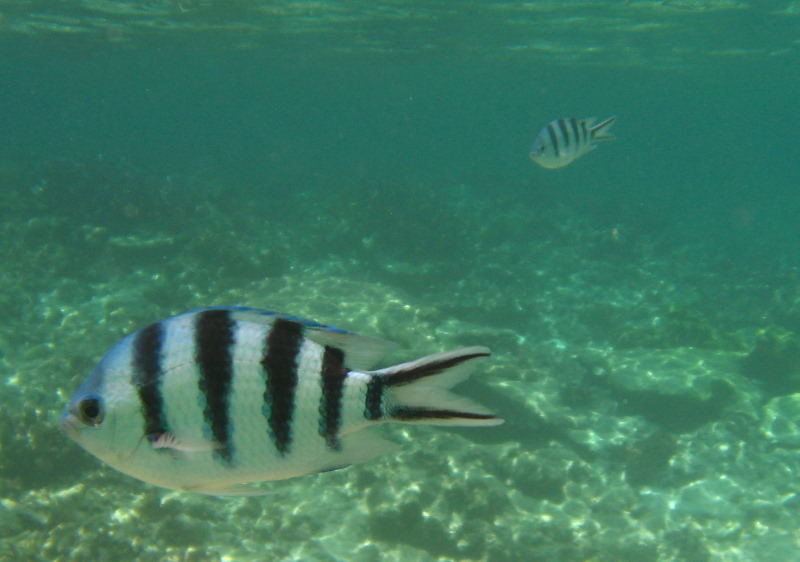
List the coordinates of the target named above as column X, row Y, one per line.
column 419, row 391
column 600, row 131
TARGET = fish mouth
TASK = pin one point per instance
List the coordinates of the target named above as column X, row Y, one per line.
column 68, row 425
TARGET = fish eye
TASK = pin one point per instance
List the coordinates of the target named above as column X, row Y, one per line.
column 90, row 410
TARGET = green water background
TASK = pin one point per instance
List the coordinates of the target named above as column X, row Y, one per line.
column 388, row 190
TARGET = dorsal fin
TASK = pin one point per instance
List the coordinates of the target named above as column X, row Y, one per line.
column 360, row 352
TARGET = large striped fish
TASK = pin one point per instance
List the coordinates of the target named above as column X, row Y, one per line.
column 564, row 140
column 217, row 399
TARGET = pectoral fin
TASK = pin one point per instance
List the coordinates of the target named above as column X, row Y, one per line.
column 168, row 440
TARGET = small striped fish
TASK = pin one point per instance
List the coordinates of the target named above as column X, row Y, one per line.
column 564, row 140
column 217, row 399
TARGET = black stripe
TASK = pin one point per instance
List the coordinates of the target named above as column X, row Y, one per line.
column 147, row 377
column 373, row 407
column 214, row 340
column 562, row 124
column 553, row 138
column 280, row 363
column 408, row 413
column 330, row 406
column 575, row 131
column 428, row 369
column 585, row 131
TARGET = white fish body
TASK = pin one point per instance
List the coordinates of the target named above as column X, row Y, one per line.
column 216, row 399
column 566, row 139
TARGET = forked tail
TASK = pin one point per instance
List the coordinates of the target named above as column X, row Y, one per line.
column 600, row 131
column 419, row 391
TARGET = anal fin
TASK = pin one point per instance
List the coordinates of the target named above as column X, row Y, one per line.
column 215, row 489
column 357, row 447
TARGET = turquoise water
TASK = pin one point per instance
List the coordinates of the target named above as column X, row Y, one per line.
column 366, row 165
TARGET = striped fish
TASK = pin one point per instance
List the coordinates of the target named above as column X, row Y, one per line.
column 218, row 399
column 564, row 140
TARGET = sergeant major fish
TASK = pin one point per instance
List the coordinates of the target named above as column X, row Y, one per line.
column 218, row 399
column 564, row 140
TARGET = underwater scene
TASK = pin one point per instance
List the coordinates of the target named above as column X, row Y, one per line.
column 422, row 172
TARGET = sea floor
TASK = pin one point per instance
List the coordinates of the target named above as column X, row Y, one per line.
column 651, row 388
